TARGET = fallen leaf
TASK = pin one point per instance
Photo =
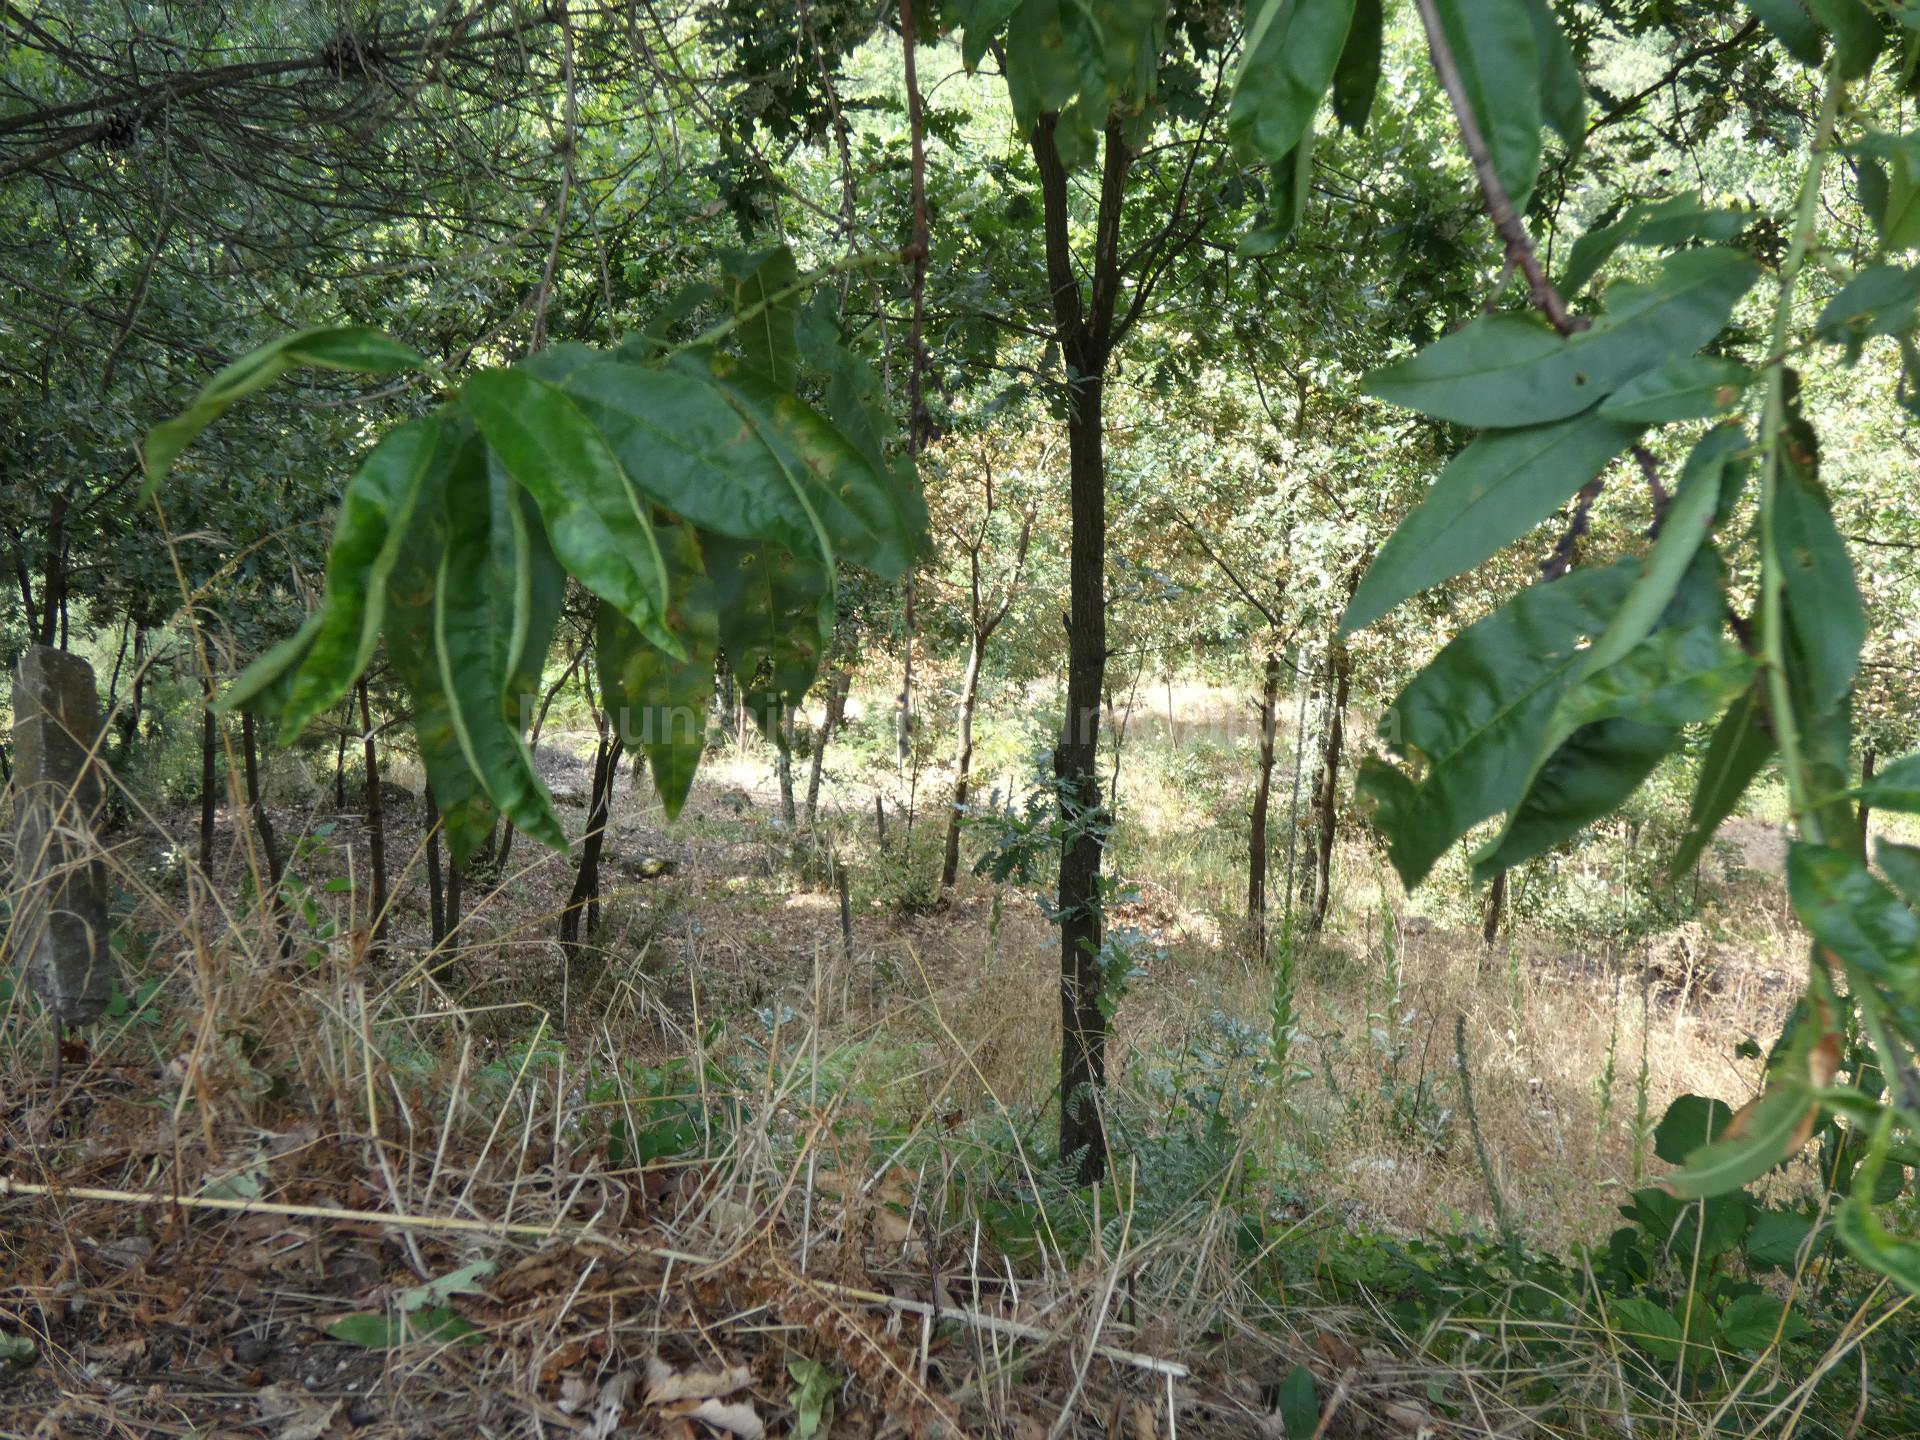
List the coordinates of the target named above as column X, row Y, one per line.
column 665, row 1385
column 607, row 1413
column 736, row 1418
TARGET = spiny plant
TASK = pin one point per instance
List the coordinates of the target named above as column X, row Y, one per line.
column 703, row 492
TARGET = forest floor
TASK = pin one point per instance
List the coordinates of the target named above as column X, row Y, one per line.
column 735, row 1167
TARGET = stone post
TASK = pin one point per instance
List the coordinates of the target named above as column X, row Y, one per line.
column 60, row 905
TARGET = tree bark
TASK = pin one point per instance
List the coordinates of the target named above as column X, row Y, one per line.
column 837, row 687
column 53, row 588
column 1496, row 909
column 962, row 759
column 376, row 823
column 584, row 901
column 1866, row 778
column 340, row 767
column 436, row 897
column 783, row 764
column 263, row 827
column 136, row 690
column 1327, row 804
column 1262, row 796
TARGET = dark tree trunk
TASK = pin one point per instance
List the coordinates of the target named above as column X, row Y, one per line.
column 136, row 690
column 456, row 881
column 340, row 767
column 1866, row 778
column 903, row 708
column 880, row 821
column 436, row 897
column 53, row 589
column 209, row 779
column 263, row 827
column 584, row 901
column 837, row 688
column 1262, row 797
column 1326, row 803
column 376, row 822
column 784, row 764
column 1496, row 908
column 962, row 758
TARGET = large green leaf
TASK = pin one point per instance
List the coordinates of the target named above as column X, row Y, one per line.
column 467, row 815
column 1880, row 300
column 1788, row 22
column 1494, row 491
column 1586, row 777
column 1855, row 31
column 1563, row 93
column 776, row 621
column 1289, row 186
column 658, row 703
column 1674, row 221
column 374, row 515
column 1512, row 370
column 1898, row 160
column 327, row 347
column 1471, row 720
column 1741, row 744
column 1292, row 50
column 1356, row 78
column 1496, row 45
column 598, row 525
column 760, row 290
column 1854, row 915
column 484, row 606
column 1695, row 387
column 1895, row 788
column 1859, row 1226
column 1901, row 864
column 266, row 685
column 1646, row 1326
column 1825, row 616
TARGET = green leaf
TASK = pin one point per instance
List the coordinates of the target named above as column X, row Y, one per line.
column 1898, row 219
column 659, row 704
column 1646, row 1326
column 1584, row 778
column 374, row 515
column 1895, row 788
column 1297, row 1403
column 1855, row 31
column 1496, row 45
column 436, row 1292
column 776, row 622
column 1859, row 1227
column 341, row 347
column 17, row 1350
column 440, row 1326
column 1289, row 186
column 1473, row 717
column 483, row 614
column 597, row 524
column 1511, row 370
column 1788, row 22
column 1696, row 387
column 1563, row 92
column 812, row 1398
column 1854, row 915
column 1356, row 79
column 1752, row 1322
column 760, row 291
column 1825, row 616
column 1766, row 1138
column 1494, row 491
column 466, row 813
column 1901, row 864
column 1292, row 49
column 1880, row 300
column 1669, row 222
column 1691, row 1122
column 1741, row 744
column 1776, row 1237
column 265, row 686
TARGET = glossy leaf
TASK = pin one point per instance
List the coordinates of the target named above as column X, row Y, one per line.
column 1292, row 49
column 1586, row 777
column 336, row 347
column 1696, row 387
column 483, row 608
column 1512, row 370
column 1496, row 45
column 1356, row 78
column 1474, row 715
column 1494, row 491
column 598, row 525
column 776, row 622
column 760, row 291
column 1762, row 1136
column 1740, row 746
column 1670, row 222
column 658, row 703
column 1880, row 300
column 374, row 515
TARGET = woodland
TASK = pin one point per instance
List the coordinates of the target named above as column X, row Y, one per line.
column 1017, row 718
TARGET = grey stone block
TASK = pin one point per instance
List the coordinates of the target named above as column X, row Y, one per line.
column 60, row 904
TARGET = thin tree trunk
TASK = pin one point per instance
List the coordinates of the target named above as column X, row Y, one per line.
column 962, row 758
column 456, row 881
column 209, row 738
column 376, row 822
column 436, row 898
column 1866, row 778
column 340, row 767
column 1330, row 786
column 584, row 901
column 837, row 688
column 53, row 588
column 1263, row 791
column 1303, row 685
column 783, row 764
column 263, row 827
column 1496, row 908
column 137, row 691
column 903, row 716
column 880, row 820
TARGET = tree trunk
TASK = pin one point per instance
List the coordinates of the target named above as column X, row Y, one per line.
column 1263, row 791
column 783, row 764
column 376, row 823
column 962, row 758
column 340, row 768
column 1327, row 801
column 263, row 824
column 1496, row 908
column 136, row 690
column 209, row 779
column 584, row 901
column 53, row 588
column 903, row 710
column 837, row 688
column 455, row 881
column 1866, row 778
column 1303, row 686
column 436, row 897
